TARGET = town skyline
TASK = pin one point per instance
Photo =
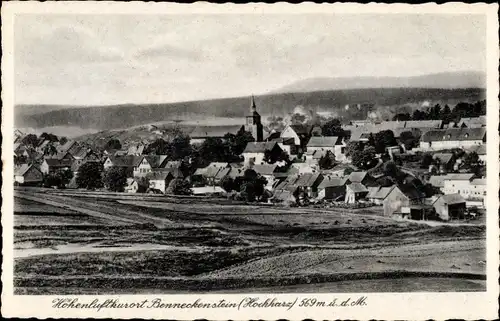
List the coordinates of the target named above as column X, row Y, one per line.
column 128, row 59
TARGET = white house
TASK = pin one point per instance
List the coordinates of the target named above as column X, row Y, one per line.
column 28, row 174
column 453, row 138
column 159, row 180
column 333, row 144
column 254, row 152
column 132, row 185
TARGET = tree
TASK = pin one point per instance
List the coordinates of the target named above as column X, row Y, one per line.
column 158, row 147
column 89, row 175
column 371, row 140
column 49, row 149
column 435, row 112
column 352, row 147
column 115, row 179
column 333, row 127
column 298, row 119
column 271, row 158
column 427, row 160
column 63, row 140
column 19, row 160
column 383, row 139
column 143, row 184
column 30, row 140
column 327, row 161
column 227, row 184
column 419, row 115
column 472, row 162
column 408, row 140
column 365, row 158
column 402, row 117
column 113, row 144
column 213, row 149
column 50, row 137
column 390, row 169
column 275, row 123
column 253, row 186
column 58, row 178
column 179, row 147
column 179, row 187
column 446, row 115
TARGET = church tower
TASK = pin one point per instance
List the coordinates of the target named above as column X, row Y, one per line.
column 254, row 123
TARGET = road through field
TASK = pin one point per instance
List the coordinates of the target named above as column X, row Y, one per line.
column 115, row 214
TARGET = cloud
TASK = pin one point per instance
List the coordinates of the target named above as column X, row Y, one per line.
column 64, row 44
column 166, row 50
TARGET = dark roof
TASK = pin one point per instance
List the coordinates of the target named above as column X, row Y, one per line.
column 379, row 192
column 265, row 169
column 325, row 141
column 154, row 160
column 214, row 131
column 55, row 162
column 309, row 179
column 259, row 147
column 23, row 169
column 176, row 172
column 158, row 175
column 126, row 160
column 423, row 124
column 282, row 195
column 410, row 191
column 332, row 182
column 301, row 129
column 454, row 134
column 443, row 157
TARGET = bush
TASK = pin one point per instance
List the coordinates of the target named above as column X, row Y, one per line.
column 179, row 187
column 115, row 179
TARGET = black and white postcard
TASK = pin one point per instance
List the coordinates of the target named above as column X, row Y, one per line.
column 254, row 161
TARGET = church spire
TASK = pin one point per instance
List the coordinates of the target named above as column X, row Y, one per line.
column 253, row 108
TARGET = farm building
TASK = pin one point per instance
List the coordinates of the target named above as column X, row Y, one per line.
column 450, row 206
column 377, row 194
column 355, row 192
column 28, row 174
column 308, row 183
column 472, row 122
column 50, row 165
column 453, row 138
column 254, row 152
column 332, row 188
column 401, row 196
column 159, row 180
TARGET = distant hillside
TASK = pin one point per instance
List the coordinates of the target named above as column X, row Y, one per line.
column 450, row 80
column 333, row 101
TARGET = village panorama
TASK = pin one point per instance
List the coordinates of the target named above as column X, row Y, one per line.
column 344, row 201
column 181, row 154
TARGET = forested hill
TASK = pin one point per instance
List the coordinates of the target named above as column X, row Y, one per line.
column 124, row 116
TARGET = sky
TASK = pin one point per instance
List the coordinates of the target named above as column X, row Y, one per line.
column 119, row 59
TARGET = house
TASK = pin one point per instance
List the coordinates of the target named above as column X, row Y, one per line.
column 362, row 178
column 355, row 192
column 446, row 161
column 332, row 188
column 50, row 165
column 300, row 135
column 453, row 138
column 286, row 144
column 28, row 174
column 159, row 180
column 70, row 146
column 136, row 165
column 302, row 168
column 255, row 151
column 82, row 156
column 479, row 150
column 460, row 184
column 377, row 194
column 402, row 195
column 289, row 184
column 268, row 171
column 283, row 196
column 213, row 173
column 423, row 125
column 334, row 144
column 132, row 186
column 201, row 133
column 472, row 122
column 308, row 183
column 450, row 206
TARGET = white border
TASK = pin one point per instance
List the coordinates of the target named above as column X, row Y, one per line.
column 416, row 306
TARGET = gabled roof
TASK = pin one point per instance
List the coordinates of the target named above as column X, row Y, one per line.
column 357, row 188
column 473, row 122
column 214, row 131
column 176, row 172
column 323, row 141
column 454, row 134
column 259, row 147
column 478, row 181
column 437, row 180
column 126, row 160
column 410, row 191
column 153, row 160
column 332, row 182
column 265, row 169
column 423, row 124
column 444, row 158
column 309, row 179
column 357, row 177
column 451, row 199
column 158, row 175
column 223, row 172
column 56, row 162
column 459, row 177
column 23, row 169
column 282, row 195
column 379, row 192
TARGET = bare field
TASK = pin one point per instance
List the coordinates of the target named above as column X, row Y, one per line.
column 178, row 247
